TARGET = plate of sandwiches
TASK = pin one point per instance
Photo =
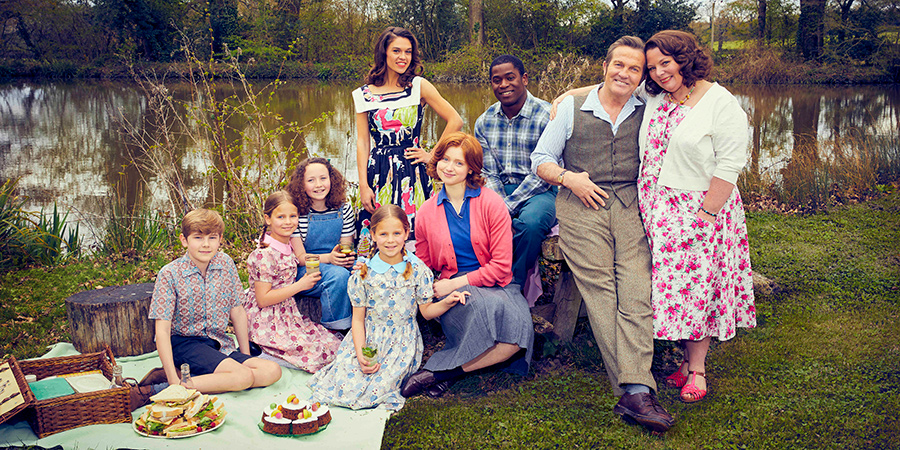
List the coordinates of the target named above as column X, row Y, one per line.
column 178, row 412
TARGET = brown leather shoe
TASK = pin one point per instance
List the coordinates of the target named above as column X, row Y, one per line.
column 644, row 409
column 139, row 396
column 417, row 383
column 155, row 376
column 438, row 389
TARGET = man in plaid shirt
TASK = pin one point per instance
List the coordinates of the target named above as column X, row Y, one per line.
column 508, row 132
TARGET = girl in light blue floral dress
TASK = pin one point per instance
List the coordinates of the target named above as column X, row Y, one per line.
column 384, row 294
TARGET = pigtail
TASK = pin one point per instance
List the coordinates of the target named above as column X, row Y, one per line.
column 363, row 271
column 262, row 236
column 408, row 272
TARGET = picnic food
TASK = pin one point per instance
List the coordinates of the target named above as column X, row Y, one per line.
column 321, row 413
column 177, row 411
column 310, row 418
column 292, row 407
column 274, row 421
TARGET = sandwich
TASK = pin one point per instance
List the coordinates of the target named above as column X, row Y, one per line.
column 177, row 411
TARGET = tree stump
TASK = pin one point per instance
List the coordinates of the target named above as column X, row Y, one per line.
column 568, row 301
column 116, row 315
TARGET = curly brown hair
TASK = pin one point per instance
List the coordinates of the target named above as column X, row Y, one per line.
column 693, row 59
column 336, row 196
column 377, row 75
column 472, row 152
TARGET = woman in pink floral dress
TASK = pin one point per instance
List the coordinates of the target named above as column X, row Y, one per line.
column 275, row 322
column 693, row 142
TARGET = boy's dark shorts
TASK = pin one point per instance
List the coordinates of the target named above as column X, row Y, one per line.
column 202, row 353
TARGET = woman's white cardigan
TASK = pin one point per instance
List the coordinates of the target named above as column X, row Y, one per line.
column 711, row 141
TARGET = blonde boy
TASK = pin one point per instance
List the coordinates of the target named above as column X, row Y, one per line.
column 193, row 299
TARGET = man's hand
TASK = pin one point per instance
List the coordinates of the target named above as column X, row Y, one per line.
column 582, row 186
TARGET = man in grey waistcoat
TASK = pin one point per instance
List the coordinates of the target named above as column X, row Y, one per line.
column 595, row 137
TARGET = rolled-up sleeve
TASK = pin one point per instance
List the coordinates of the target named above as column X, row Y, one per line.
column 553, row 140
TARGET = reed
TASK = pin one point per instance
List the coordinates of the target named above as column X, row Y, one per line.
column 28, row 238
column 135, row 233
column 843, row 170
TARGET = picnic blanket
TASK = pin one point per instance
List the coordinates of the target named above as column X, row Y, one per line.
column 348, row 429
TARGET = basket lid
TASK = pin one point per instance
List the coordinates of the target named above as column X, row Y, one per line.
column 15, row 394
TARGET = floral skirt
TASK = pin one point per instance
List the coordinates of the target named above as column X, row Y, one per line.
column 395, row 180
column 702, row 283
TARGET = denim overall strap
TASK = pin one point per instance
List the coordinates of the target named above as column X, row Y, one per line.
column 324, row 232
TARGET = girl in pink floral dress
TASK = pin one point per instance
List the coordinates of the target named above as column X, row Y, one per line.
column 274, row 320
column 694, row 141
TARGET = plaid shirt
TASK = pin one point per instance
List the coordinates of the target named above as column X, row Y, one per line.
column 198, row 306
column 508, row 144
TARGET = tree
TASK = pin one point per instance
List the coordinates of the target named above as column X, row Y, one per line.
column 761, row 20
column 811, row 28
column 476, row 22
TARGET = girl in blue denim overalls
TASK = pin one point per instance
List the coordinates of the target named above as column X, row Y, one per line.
column 326, row 221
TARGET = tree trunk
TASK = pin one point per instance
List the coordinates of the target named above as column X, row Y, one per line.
column 761, row 20
column 476, row 23
column 114, row 315
column 811, row 28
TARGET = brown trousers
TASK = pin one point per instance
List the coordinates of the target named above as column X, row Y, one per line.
column 609, row 257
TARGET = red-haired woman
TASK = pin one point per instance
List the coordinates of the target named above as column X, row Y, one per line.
column 389, row 111
column 465, row 233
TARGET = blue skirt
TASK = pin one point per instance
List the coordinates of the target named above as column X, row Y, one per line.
column 490, row 315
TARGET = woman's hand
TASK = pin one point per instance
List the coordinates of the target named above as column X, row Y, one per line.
column 417, row 155
column 706, row 217
column 308, row 281
column 367, row 197
column 339, row 259
column 456, row 297
column 366, row 368
column 443, row 288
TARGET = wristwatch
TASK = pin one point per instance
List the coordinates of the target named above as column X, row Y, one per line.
column 559, row 178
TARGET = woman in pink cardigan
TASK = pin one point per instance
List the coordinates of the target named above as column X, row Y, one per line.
column 465, row 233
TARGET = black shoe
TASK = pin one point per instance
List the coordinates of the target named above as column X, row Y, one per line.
column 438, row 389
column 644, row 409
column 417, row 383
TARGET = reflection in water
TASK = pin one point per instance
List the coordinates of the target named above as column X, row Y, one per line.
column 61, row 139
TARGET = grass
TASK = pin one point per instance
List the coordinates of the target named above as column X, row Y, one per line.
column 822, row 370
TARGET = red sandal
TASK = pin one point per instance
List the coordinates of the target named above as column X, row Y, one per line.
column 690, row 393
column 677, row 379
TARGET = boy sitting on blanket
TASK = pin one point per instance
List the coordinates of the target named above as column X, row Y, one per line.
column 193, row 299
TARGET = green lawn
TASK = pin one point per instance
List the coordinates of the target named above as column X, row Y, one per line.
column 822, row 370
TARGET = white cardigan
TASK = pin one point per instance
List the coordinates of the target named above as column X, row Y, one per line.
column 711, row 141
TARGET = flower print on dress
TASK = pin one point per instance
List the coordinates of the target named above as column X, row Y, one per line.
column 706, row 267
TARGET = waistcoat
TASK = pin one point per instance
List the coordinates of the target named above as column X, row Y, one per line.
column 612, row 161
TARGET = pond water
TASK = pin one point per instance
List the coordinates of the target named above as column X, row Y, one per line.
column 62, row 141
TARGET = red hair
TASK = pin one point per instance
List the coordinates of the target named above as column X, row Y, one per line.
column 472, row 153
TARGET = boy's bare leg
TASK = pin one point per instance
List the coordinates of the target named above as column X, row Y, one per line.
column 230, row 376
column 265, row 373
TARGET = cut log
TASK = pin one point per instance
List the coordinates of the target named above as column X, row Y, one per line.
column 117, row 316
column 568, row 301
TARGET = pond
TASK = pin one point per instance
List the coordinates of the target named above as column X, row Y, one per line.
column 62, row 141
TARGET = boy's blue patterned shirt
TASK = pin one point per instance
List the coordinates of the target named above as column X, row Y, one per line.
column 508, row 144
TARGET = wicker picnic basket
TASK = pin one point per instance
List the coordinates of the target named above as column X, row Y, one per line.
column 77, row 410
